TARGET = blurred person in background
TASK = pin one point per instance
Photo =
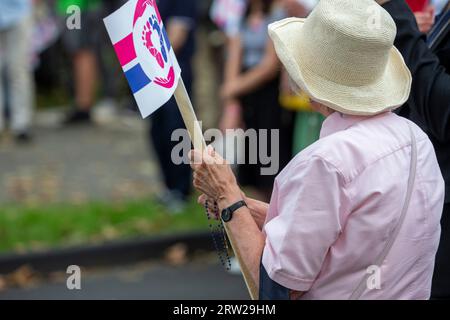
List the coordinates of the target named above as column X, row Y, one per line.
column 179, row 17
column 110, row 73
column 81, row 45
column 439, row 5
column 425, row 12
column 46, row 30
column 250, row 92
column 298, row 8
column 15, row 62
column 227, row 14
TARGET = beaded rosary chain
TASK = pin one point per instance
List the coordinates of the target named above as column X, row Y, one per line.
column 218, row 235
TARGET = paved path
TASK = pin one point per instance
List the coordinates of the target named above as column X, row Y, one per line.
column 76, row 164
column 196, row 280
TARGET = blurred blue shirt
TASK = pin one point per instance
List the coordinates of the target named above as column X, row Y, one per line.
column 13, row 11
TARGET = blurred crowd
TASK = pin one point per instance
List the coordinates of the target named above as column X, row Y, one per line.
column 254, row 93
column 31, row 28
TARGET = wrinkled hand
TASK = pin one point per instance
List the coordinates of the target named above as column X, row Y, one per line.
column 203, row 198
column 214, row 178
column 202, row 201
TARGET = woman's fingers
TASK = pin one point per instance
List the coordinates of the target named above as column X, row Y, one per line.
column 200, row 161
column 202, row 199
column 202, row 187
column 196, row 159
column 209, row 173
column 197, row 180
column 211, row 151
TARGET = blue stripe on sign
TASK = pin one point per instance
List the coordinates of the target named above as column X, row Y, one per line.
column 166, row 38
column 137, row 79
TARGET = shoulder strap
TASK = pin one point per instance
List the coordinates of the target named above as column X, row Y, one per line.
column 362, row 286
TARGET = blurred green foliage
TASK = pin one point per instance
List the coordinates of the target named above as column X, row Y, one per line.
column 28, row 228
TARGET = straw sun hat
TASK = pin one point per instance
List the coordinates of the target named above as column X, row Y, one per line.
column 343, row 56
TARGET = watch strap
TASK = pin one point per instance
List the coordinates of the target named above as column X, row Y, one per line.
column 231, row 209
column 237, row 206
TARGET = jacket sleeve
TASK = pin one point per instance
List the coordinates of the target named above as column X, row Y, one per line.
column 430, row 92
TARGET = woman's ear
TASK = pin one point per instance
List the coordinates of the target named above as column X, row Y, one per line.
column 322, row 109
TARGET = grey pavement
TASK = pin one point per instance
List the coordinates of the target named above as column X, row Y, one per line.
column 193, row 281
column 111, row 160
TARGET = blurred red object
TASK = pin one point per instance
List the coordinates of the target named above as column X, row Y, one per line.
column 418, row 5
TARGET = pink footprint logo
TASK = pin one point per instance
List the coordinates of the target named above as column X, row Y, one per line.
column 140, row 9
column 147, row 38
column 167, row 82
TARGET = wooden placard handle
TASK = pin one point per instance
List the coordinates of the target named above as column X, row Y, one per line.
column 190, row 119
column 196, row 134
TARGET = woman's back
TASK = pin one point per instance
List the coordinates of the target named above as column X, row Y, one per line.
column 355, row 182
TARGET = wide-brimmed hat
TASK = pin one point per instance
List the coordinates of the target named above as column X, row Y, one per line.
column 343, row 56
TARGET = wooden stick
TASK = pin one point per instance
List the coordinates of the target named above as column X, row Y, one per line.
column 189, row 117
column 196, row 134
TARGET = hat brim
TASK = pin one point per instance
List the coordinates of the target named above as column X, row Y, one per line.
column 389, row 92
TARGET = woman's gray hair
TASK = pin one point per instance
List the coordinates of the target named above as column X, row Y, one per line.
column 296, row 89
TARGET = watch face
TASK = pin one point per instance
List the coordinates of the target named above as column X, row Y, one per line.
column 226, row 215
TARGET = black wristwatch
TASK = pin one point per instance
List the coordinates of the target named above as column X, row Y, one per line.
column 227, row 214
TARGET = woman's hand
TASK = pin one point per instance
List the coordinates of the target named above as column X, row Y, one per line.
column 214, row 178
column 202, row 201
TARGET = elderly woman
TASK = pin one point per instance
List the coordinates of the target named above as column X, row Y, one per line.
column 356, row 214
